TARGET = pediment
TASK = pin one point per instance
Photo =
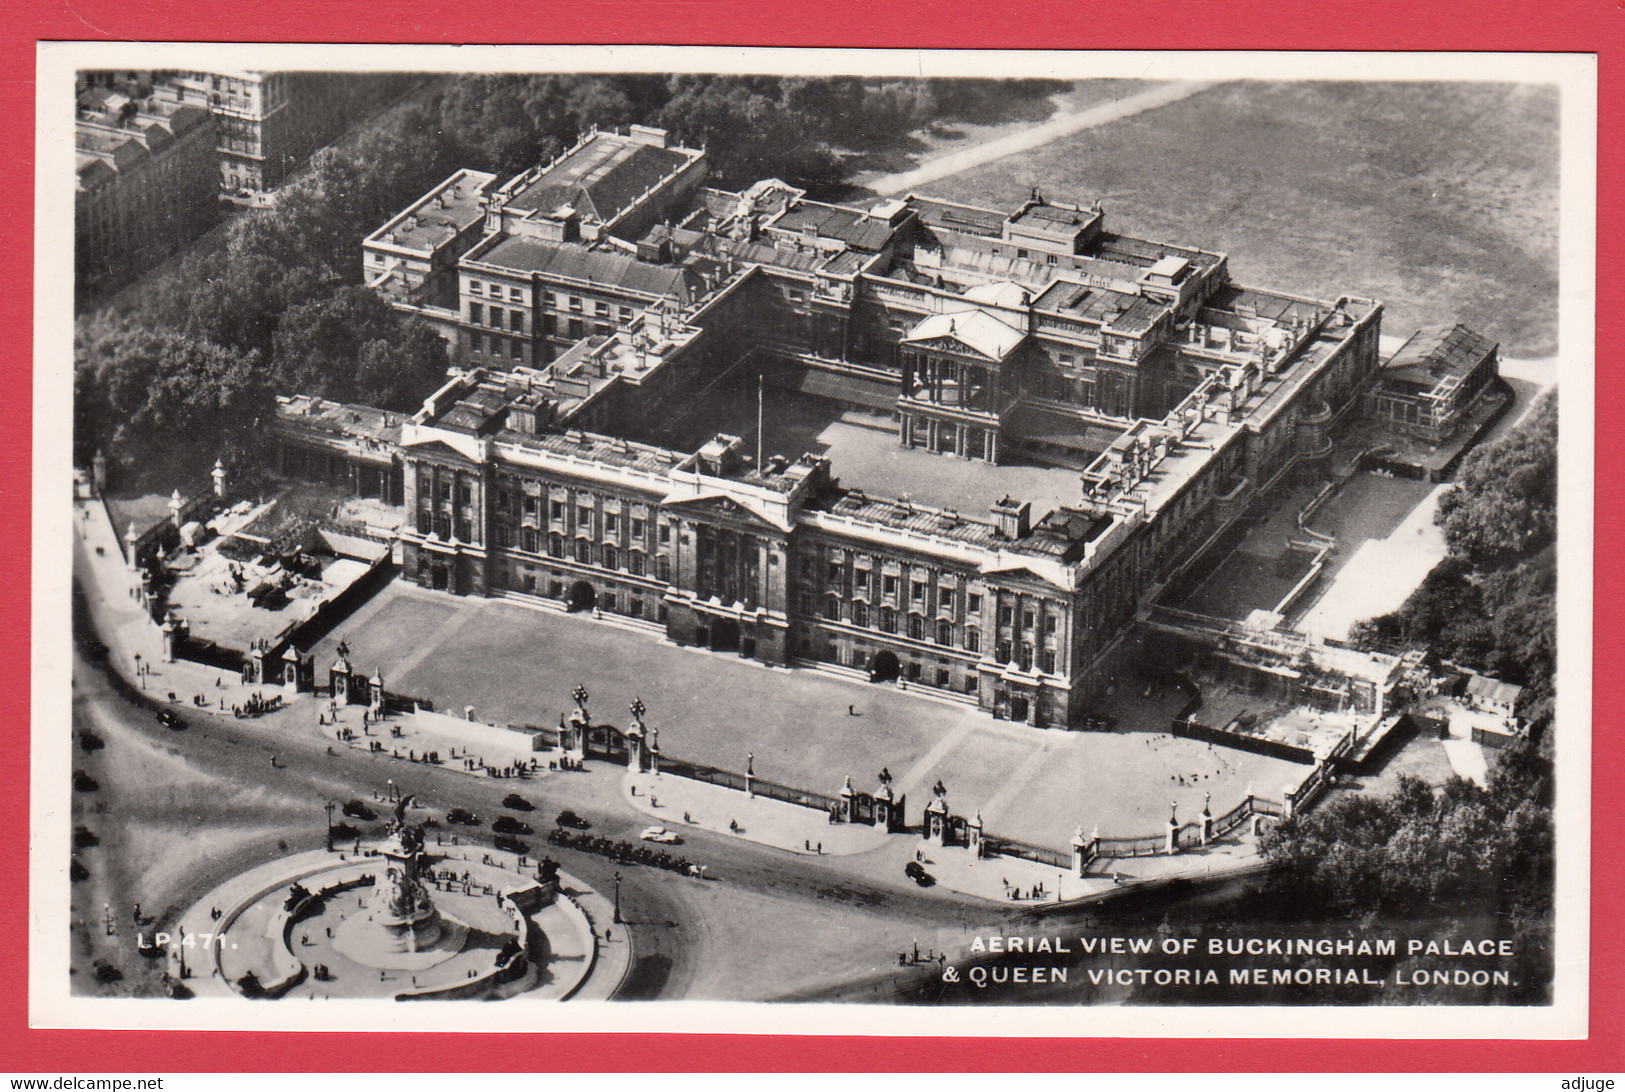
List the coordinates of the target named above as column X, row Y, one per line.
column 949, row 345
column 437, row 450
column 720, row 507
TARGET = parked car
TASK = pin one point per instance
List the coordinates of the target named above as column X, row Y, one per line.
column 568, row 818
column 507, row 824
column 916, row 872
column 83, row 782
column 511, row 844
column 661, row 835
column 517, row 803
column 357, row 809
column 170, row 720
column 463, row 816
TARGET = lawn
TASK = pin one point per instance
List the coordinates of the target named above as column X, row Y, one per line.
column 518, row 665
column 1439, row 199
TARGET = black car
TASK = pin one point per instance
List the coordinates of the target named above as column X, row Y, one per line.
column 463, row 816
column 170, row 720
column 507, row 824
column 355, row 809
column 568, row 818
column 83, row 782
column 511, row 844
column 916, row 872
column 517, row 803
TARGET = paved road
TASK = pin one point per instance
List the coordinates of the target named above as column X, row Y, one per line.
column 662, row 908
column 1063, row 125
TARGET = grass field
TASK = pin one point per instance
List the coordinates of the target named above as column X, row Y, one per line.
column 1439, row 199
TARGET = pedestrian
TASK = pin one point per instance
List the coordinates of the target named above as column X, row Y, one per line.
column 820, row 849
column 806, row 844
column 851, row 711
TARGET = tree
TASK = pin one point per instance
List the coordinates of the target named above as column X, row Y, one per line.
column 352, row 347
column 1505, row 505
column 166, row 402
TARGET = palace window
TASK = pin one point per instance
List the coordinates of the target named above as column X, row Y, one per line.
column 1026, row 659
column 663, row 570
column 637, row 530
column 476, row 342
column 919, row 591
column 503, row 536
column 555, row 545
column 973, row 640
column 916, row 627
column 891, row 584
column 516, row 321
column 465, row 530
column 635, row 562
column 496, row 316
column 945, row 598
column 1046, row 661
column 609, row 523
column 860, row 614
column 888, row 620
column 1006, row 613
column 1001, row 652
column 973, row 602
column 945, row 633
column 612, row 558
column 1027, row 618
column 476, row 313
column 832, row 607
column 583, row 551
column 557, row 508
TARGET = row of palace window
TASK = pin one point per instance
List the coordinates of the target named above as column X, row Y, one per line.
column 611, row 600
column 583, row 551
column 941, row 632
column 478, row 316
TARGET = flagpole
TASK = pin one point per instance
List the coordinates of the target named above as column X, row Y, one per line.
column 759, row 382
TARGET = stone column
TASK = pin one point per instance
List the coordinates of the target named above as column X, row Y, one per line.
column 1082, row 852
column 847, row 794
column 1172, row 845
column 130, row 540
column 169, row 630
column 1207, row 818
column 973, row 835
column 219, row 476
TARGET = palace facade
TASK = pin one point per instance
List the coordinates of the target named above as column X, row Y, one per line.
column 922, row 440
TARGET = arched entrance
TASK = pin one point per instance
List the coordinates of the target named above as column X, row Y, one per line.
column 582, row 597
column 884, row 666
column 1018, row 707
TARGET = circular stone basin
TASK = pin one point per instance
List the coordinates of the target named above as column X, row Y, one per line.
column 366, row 941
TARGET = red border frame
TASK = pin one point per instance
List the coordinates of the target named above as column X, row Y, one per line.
column 1591, row 26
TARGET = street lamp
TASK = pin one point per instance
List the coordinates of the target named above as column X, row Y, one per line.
column 638, row 709
column 617, row 898
column 330, row 805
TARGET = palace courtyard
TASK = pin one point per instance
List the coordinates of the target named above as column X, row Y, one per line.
column 517, row 664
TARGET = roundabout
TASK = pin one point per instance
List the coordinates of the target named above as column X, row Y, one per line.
column 400, row 919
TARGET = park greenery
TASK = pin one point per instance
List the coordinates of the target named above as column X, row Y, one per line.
column 185, row 366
